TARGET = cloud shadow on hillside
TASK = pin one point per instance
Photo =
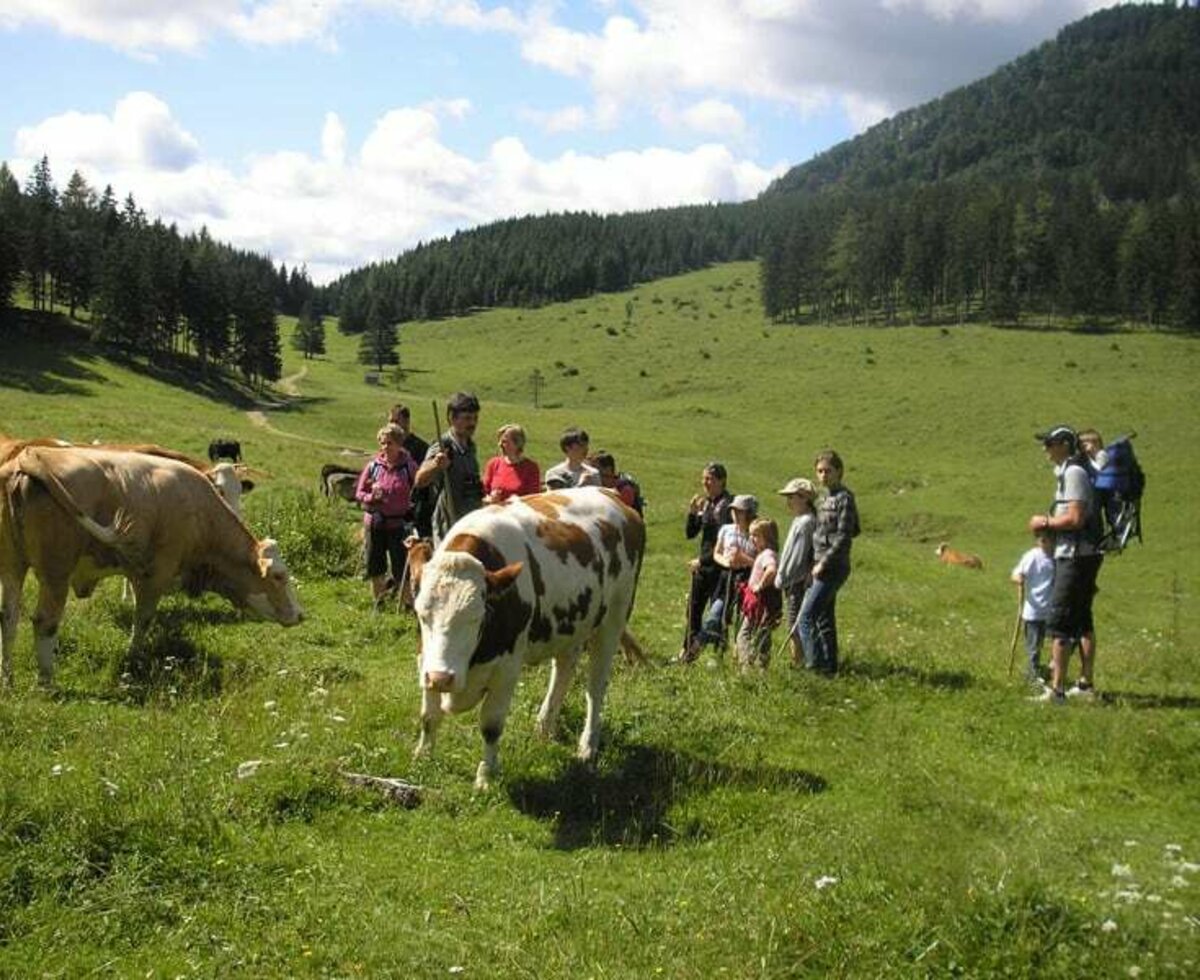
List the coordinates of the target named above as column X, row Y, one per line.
column 626, row 800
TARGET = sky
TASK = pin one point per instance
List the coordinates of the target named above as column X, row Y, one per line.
column 333, row 133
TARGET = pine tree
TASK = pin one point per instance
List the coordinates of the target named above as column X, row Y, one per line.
column 80, row 219
column 309, row 334
column 41, row 205
column 10, row 227
column 379, row 340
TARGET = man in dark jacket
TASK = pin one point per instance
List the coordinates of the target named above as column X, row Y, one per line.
column 451, row 467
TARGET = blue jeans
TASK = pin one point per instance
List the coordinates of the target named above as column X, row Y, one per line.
column 818, row 620
column 1035, row 633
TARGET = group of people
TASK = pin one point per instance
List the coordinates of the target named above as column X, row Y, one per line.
column 740, row 573
column 740, row 570
column 1058, row 575
column 412, row 486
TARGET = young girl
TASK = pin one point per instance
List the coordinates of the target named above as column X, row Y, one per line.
column 734, row 553
column 795, row 561
column 761, row 599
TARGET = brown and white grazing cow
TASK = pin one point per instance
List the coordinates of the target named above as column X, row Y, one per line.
column 536, row 578
column 77, row 515
column 952, row 556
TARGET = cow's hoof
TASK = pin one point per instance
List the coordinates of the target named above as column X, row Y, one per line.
column 483, row 778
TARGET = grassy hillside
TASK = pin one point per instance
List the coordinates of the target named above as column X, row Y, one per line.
column 915, row 816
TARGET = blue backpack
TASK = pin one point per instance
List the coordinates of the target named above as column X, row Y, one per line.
column 1119, row 486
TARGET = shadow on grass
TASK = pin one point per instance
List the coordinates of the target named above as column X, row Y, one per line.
column 950, row 680
column 626, row 800
column 45, row 355
column 1144, row 701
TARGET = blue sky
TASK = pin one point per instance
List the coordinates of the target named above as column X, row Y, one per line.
column 332, row 133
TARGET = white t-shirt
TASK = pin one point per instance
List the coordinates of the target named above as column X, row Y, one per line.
column 729, row 537
column 1036, row 568
column 584, row 476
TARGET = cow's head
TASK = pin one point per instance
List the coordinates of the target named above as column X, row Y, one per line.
column 272, row 595
column 230, row 482
column 452, row 606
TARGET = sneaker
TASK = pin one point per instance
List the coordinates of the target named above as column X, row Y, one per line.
column 1049, row 696
column 1085, row 692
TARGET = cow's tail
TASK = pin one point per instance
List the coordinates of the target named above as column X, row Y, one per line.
column 33, row 463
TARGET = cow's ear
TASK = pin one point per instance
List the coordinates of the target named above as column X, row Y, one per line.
column 498, row 581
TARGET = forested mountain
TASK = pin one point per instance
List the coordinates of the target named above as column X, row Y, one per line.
column 149, row 290
column 1114, row 99
column 1065, row 184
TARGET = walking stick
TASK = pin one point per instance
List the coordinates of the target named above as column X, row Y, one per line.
column 1012, row 652
column 687, row 613
column 451, row 510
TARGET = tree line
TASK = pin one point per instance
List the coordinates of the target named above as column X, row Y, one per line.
column 148, row 289
column 532, row 261
column 983, row 250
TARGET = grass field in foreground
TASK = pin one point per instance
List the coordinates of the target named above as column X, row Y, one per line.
column 913, row 817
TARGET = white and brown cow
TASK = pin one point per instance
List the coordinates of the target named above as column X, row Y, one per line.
column 77, row 515
column 536, row 578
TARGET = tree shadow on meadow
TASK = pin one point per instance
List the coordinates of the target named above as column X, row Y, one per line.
column 45, row 355
column 626, row 800
column 947, row 680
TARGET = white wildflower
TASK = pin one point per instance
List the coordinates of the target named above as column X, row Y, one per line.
column 56, row 769
column 1108, row 925
column 1135, row 971
column 1131, row 843
column 269, row 705
column 1179, row 881
column 1122, row 871
column 1173, row 848
column 825, row 881
column 109, row 786
column 336, row 717
column 248, row 769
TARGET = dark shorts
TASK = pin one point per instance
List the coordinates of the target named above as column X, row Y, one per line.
column 383, row 543
column 1071, row 602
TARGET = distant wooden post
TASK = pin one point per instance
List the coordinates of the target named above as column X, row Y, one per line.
column 536, row 381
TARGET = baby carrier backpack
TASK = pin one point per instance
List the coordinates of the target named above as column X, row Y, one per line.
column 1119, row 486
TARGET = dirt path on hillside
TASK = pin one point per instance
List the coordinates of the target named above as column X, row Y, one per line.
column 290, row 387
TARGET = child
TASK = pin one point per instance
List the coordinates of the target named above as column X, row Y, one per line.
column 735, row 553
column 795, row 562
column 1035, row 575
column 574, row 470
column 762, row 601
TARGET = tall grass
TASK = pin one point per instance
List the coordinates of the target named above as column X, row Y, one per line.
column 915, row 816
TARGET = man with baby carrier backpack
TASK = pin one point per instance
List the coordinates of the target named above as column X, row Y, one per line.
column 1086, row 499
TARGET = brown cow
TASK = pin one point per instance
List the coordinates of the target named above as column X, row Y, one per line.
column 77, row 515
column 950, row 556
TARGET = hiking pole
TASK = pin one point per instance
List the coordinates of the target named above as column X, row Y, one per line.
column 687, row 613
column 451, row 510
column 1012, row 652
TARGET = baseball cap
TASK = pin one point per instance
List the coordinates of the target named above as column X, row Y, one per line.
column 798, row 485
column 746, row 502
column 1059, row 433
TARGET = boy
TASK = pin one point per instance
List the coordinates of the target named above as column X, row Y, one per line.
column 1035, row 575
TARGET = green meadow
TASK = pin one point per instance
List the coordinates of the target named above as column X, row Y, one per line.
column 915, row 816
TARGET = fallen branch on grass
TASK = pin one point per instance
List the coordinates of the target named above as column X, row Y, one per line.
column 407, row 794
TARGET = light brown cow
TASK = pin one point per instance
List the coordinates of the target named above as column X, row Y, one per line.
column 951, row 556
column 78, row 515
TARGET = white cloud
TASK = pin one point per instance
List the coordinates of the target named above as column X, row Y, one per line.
column 715, row 118
column 864, row 113
column 186, row 25
column 343, row 206
column 140, row 134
